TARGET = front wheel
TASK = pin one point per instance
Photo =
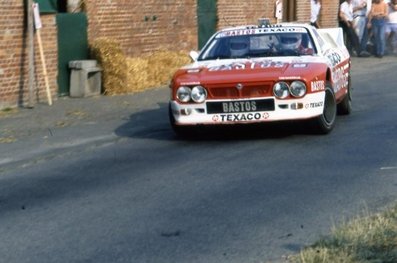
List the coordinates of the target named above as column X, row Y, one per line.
column 324, row 123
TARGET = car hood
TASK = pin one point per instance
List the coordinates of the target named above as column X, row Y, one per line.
column 249, row 70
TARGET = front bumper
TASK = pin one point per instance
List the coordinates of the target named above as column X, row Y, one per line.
column 292, row 109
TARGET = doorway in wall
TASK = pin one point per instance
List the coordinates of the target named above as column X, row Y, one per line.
column 289, row 10
column 72, row 39
column 207, row 20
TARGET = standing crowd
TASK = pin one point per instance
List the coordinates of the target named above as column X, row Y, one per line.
column 370, row 26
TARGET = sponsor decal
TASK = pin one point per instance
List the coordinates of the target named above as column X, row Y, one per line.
column 312, row 105
column 261, row 64
column 267, row 64
column 252, row 116
column 190, row 83
column 299, row 65
column 239, row 106
column 193, row 70
column 215, row 118
column 289, row 78
column 318, row 85
column 266, row 115
column 226, row 67
column 340, row 79
column 236, row 106
column 254, row 31
column 334, row 58
column 240, row 32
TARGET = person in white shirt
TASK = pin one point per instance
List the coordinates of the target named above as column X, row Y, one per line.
column 391, row 26
column 360, row 17
column 346, row 18
column 278, row 11
column 315, row 12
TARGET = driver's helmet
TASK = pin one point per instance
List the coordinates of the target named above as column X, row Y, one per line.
column 291, row 41
column 239, row 46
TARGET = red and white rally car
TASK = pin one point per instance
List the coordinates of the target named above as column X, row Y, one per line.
column 264, row 73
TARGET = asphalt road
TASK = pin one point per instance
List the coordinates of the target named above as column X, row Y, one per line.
column 148, row 197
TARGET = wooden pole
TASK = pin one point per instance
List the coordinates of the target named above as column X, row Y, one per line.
column 30, row 30
column 47, row 86
column 38, row 25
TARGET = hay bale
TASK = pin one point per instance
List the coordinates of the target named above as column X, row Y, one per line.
column 123, row 74
column 153, row 70
column 137, row 77
column 163, row 65
column 114, row 64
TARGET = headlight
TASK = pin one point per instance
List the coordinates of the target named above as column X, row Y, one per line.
column 183, row 94
column 281, row 90
column 298, row 89
column 199, row 94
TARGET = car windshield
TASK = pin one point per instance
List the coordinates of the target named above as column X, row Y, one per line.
column 258, row 43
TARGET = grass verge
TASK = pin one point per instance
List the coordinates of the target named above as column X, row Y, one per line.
column 366, row 239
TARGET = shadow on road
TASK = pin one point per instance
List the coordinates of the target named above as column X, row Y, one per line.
column 154, row 124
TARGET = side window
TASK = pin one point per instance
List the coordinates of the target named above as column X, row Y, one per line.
column 320, row 41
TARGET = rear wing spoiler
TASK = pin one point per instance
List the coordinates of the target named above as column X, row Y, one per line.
column 334, row 36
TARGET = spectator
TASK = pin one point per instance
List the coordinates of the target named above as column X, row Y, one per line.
column 360, row 20
column 391, row 26
column 278, row 11
column 377, row 22
column 346, row 22
column 315, row 6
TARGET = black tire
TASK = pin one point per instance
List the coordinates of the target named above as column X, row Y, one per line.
column 345, row 106
column 324, row 123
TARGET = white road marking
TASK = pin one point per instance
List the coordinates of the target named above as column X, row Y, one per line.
column 389, row 168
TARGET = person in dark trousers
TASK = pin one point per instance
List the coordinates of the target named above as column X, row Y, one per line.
column 346, row 22
column 361, row 10
column 377, row 21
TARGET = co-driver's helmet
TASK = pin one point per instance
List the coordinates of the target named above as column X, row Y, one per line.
column 291, row 40
column 239, row 46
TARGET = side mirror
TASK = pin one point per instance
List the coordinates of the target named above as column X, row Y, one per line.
column 194, row 55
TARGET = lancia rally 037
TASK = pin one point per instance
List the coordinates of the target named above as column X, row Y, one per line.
column 264, row 73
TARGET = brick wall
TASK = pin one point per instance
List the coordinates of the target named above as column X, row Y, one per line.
column 141, row 26
column 235, row 12
column 14, row 56
column 329, row 13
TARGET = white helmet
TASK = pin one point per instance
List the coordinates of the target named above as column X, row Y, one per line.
column 239, row 46
column 291, row 40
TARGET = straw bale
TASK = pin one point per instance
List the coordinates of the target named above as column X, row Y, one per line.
column 163, row 64
column 123, row 74
column 137, row 78
column 114, row 65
